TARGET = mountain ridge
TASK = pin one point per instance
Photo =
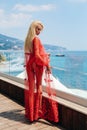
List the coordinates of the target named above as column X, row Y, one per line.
column 11, row 43
column 7, row 43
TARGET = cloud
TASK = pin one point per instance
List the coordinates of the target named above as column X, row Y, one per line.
column 33, row 8
column 13, row 19
column 1, row 13
column 19, row 19
column 20, row 15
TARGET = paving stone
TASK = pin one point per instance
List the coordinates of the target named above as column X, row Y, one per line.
column 12, row 117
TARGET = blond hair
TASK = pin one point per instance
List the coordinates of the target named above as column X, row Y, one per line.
column 31, row 34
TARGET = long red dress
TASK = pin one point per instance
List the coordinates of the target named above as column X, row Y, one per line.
column 35, row 64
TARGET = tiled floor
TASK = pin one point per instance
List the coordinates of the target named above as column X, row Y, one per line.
column 12, row 117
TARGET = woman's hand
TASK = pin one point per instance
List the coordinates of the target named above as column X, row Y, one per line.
column 48, row 69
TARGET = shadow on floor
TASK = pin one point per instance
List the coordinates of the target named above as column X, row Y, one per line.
column 18, row 116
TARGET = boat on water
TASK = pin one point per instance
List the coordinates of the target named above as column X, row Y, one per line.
column 60, row 55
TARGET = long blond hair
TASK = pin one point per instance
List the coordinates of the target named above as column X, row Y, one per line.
column 30, row 35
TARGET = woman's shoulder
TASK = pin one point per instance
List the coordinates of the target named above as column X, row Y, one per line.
column 36, row 39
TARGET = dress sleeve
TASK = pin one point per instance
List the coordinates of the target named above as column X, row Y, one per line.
column 40, row 59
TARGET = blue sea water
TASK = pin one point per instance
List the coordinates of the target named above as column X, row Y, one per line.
column 71, row 69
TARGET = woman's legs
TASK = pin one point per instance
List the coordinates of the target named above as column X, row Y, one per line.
column 35, row 108
column 38, row 104
column 31, row 81
column 39, row 72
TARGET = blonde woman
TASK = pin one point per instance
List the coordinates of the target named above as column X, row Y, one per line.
column 36, row 60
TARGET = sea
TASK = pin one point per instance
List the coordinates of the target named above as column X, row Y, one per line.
column 70, row 67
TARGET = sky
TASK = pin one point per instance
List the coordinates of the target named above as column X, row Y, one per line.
column 65, row 21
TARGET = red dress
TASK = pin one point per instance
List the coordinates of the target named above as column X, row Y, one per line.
column 35, row 64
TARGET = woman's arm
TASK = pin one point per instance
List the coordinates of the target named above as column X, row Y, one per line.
column 36, row 44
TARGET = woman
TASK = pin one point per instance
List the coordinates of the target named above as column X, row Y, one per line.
column 36, row 60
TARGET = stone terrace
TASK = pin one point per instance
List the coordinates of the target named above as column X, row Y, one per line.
column 12, row 117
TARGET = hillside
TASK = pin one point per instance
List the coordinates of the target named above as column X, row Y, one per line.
column 7, row 43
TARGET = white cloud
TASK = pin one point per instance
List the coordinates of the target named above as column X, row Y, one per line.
column 13, row 20
column 33, row 8
column 21, row 16
column 1, row 13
